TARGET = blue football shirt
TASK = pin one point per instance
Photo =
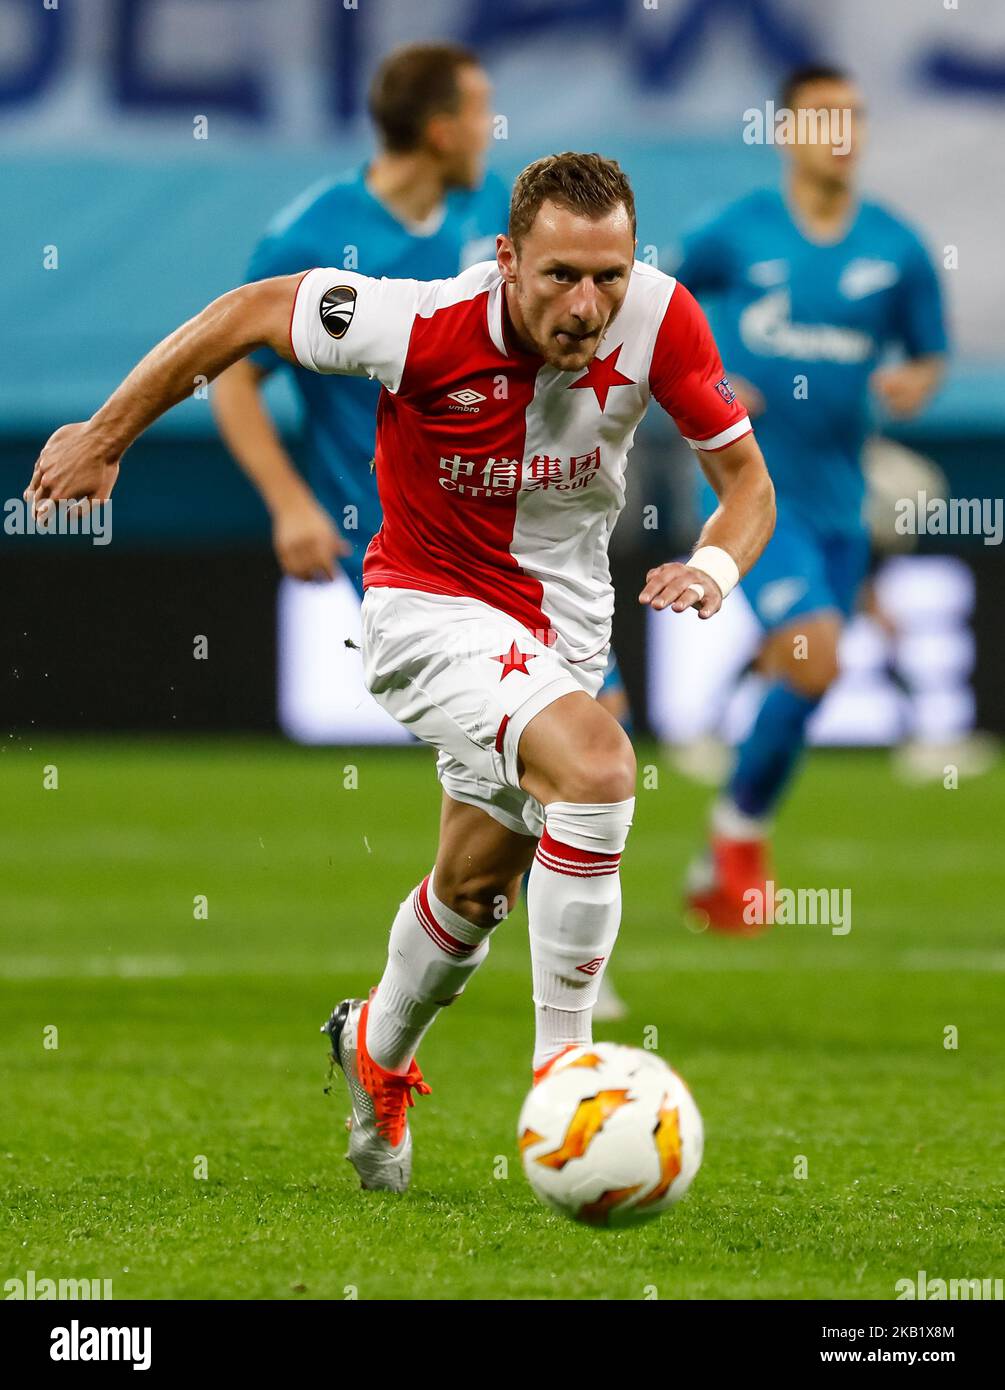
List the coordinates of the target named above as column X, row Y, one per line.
column 340, row 223
column 807, row 323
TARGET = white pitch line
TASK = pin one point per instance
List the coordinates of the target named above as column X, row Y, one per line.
column 837, row 959
column 92, row 967
column 626, row 963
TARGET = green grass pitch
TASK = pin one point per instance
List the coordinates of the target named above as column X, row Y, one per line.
column 183, row 1039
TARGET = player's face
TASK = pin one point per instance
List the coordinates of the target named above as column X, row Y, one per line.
column 461, row 137
column 834, row 158
column 568, row 281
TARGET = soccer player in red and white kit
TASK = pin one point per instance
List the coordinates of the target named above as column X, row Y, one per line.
column 511, row 395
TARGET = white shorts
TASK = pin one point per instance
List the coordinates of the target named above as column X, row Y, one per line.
column 467, row 679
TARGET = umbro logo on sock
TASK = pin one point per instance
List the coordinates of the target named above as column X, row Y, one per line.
column 592, row 966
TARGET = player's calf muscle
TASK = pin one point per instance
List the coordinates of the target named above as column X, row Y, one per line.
column 479, row 863
column 480, row 895
column 482, row 883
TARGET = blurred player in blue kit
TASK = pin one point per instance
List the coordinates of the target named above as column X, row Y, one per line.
column 810, row 289
column 422, row 208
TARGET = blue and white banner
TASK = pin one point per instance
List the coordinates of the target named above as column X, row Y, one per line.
column 135, row 77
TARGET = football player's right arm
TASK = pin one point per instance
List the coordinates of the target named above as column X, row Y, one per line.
column 81, row 461
column 327, row 320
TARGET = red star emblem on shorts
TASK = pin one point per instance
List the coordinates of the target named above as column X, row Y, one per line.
column 602, row 374
column 514, row 660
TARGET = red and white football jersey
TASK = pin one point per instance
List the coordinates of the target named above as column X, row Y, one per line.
column 500, row 477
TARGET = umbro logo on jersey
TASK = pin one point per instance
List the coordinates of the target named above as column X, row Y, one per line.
column 466, row 399
column 337, row 308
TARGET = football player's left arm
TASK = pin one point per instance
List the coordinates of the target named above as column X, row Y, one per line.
column 687, row 380
column 739, row 529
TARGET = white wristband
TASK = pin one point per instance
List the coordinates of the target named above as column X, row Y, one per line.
column 718, row 564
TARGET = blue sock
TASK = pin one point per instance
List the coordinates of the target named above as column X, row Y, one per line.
column 768, row 756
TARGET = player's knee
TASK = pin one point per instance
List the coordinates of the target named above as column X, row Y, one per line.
column 808, row 659
column 814, row 677
column 605, row 774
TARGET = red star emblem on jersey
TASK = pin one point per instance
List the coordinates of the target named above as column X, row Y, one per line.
column 602, row 374
column 514, row 660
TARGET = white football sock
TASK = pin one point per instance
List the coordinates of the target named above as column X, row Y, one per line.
column 432, row 954
column 574, row 907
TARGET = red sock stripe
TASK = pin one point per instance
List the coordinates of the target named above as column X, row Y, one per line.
column 432, row 928
column 577, row 863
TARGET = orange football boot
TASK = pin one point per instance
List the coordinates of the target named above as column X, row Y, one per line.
column 380, row 1144
column 720, row 886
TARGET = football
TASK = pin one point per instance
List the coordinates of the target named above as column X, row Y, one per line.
column 610, row 1136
